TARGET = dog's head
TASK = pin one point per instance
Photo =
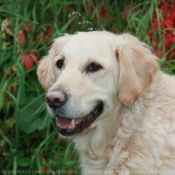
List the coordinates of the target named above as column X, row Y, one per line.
column 87, row 74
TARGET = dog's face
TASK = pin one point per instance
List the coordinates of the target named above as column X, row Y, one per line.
column 87, row 74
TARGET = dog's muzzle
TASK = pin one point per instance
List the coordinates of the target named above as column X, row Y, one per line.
column 71, row 126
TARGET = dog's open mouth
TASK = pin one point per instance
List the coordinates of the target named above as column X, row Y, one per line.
column 69, row 127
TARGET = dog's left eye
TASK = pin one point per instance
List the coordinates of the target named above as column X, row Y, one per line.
column 59, row 64
column 94, row 67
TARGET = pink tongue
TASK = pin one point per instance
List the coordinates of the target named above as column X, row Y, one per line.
column 63, row 122
column 66, row 123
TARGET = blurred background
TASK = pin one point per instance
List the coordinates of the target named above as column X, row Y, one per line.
column 28, row 136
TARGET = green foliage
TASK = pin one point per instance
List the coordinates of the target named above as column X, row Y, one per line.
column 29, row 138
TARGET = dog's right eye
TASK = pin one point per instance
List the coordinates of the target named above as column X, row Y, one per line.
column 59, row 64
column 94, row 67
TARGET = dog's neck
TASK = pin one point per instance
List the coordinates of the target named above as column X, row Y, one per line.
column 95, row 147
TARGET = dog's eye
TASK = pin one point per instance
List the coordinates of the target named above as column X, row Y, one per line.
column 59, row 64
column 94, row 67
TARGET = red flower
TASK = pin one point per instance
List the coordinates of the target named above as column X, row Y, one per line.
column 154, row 44
column 164, row 7
column 173, row 40
column 28, row 60
column 168, row 40
column 158, row 53
column 49, row 31
column 69, row 172
column 154, row 51
column 21, row 36
column 39, row 38
column 169, row 57
column 26, row 29
column 126, row 11
column 103, row 11
column 173, row 17
column 45, row 170
column 168, row 23
column 34, row 58
column 151, row 35
column 155, row 24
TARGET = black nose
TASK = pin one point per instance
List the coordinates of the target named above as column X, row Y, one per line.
column 56, row 98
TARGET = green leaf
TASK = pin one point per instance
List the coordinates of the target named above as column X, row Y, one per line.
column 24, row 162
column 29, row 122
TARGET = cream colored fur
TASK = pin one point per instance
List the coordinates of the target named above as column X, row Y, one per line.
column 135, row 134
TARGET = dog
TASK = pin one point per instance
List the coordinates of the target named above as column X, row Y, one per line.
column 108, row 94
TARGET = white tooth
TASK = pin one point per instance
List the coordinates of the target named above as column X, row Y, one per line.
column 73, row 123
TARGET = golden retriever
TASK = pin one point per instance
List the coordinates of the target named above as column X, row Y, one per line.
column 107, row 92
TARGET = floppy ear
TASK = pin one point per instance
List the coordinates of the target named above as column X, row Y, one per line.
column 45, row 72
column 137, row 65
